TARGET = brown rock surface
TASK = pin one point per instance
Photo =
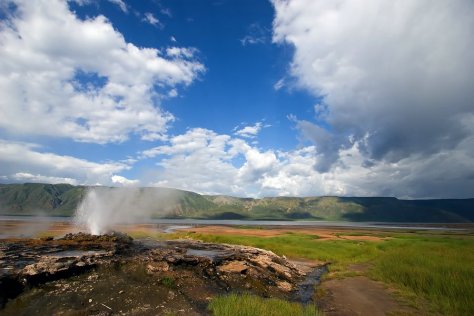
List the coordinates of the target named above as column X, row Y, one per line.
column 233, row 267
column 129, row 276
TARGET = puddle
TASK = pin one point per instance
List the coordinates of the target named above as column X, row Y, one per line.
column 208, row 253
column 76, row 253
column 305, row 291
column 6, row 270
column 172, row 228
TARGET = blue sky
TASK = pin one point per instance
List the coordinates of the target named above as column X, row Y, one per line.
column 248, row 98
column 234, row 42
column 238, row 84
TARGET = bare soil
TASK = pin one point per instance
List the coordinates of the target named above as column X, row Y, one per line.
column 323, row 233
column 359, row 296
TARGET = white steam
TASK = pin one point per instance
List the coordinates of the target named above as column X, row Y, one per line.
column 103, row 208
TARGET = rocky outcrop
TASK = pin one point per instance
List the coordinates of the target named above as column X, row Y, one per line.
column 225, row 267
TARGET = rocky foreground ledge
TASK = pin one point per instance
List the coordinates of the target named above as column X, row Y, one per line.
column 114, row 274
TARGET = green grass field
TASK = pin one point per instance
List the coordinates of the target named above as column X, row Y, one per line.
column 250, row 305
column 436, row 270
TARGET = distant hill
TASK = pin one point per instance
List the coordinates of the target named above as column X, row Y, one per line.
column 62, row 200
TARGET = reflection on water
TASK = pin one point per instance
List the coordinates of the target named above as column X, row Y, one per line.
column 76, row 253
column 14, row 226
column 172, row 228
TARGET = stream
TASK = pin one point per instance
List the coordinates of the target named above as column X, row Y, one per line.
column 305, row 291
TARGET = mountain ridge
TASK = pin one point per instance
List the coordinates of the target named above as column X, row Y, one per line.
column 63, row 199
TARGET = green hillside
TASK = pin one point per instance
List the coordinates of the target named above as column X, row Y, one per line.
column 39, row 198
column 62, row 200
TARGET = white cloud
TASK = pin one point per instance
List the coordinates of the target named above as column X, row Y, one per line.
column 36, row 178
column 124, row 181
column 151, row 19
column 256, row 35
column 167, row 12
column 202, row 160
column 250, row 131
column 279, row 84
column 173, row 93
column 252, row 40
column 395, row 76
column 65, row 77
column 257, row 164
column 178, row 52
column 37, row 166
column 206, row 162
column 121, row 4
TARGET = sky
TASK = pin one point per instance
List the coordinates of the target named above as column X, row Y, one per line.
column 245, row 98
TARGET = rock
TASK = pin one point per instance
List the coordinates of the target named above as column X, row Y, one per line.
column 284, row 286
column 281, row 270
column 233, row 267
column 157, row 267
column 262, row 261
column 229, row 266
column 93, row 277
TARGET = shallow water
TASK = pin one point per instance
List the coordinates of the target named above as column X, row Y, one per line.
column 172, row 228
column 176, row 223
column 211, row 254
column 76, row 253
column 305, row 290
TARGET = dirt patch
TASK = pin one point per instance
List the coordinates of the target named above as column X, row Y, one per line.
column 359, row 267
column 322, row 233
column 362, row 238
column 359, row 296
column 267, row 232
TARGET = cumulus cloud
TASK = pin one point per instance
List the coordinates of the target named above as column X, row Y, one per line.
column 177, row 52
column 395, row 77
column 206, row 162
column 23, row 177
column 122, row 181
column 202, row 160
column 26, row 162
column 66, row 77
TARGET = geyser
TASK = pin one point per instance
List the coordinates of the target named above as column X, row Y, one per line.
column 94, row 214
column 102, row 207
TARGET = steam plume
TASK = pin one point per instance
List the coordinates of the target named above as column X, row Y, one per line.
column 102, row 208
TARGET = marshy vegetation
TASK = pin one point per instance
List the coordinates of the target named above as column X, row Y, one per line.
column 251, row 305
column 434, row 272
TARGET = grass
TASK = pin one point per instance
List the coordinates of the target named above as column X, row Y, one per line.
column 251, row 305
column 434, row 269
column 438, row 269
column 339, row 252
column 168, row 282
